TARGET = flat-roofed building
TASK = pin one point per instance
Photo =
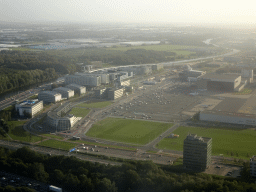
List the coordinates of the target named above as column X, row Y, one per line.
column 83, row 79
column 197, row 152
column 49, row 96
column 65, row 92
column 253, row 166
column 115, row 93
column 219, row 82
column 100, row 93
column 30, row 107
column 79, row 89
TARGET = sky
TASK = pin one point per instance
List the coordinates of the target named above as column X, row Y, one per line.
column 134, row 11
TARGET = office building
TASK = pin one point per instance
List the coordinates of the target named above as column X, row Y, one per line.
column 65, row 92
column 197, row 152
column 49, row 96
column 253, row 166
column 79, row 89
column 29, row 108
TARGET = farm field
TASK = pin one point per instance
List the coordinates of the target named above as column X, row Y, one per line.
column 178, row 49
column 58, row 144
column 79, row 112
column 17, row 132
column 127, row 131
column 240, row 143
column 95, row 105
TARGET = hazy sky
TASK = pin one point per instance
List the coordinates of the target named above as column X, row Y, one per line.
column 203, row 11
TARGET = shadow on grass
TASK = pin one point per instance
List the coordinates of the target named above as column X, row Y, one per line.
column 19, row 131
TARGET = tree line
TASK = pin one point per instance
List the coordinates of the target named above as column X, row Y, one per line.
column 73, row 174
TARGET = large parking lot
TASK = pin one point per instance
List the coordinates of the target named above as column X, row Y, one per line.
column 166, row 101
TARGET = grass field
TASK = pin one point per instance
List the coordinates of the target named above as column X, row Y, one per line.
column 95, row 105
column 246, row 91
column 178, row 49
column 58, row 144
column 53, row 136
column 18, row 133
column 224, row 141
column 79, row 112
column 127, row 131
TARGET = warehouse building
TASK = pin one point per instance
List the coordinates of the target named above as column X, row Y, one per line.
column 228, row 117
column 253, row 166
column 83, row 79
column 49, row 96
column 197, row 152
column 65, row 92
column 79, row 89
column 115, row 93
column 220, row 82
column 29, row 108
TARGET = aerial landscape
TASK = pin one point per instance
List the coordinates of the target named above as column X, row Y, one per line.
column 127, row 96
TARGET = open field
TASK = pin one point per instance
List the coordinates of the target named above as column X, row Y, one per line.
column 79, row 112
column 58, row 144
column 246, row 91
column 178, row 49
column 127, row 131
column 18, row 133
column 53, row 136
column 95, row 105
column 224, row 141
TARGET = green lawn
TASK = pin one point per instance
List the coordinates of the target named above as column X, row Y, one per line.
column 18, row 133
column 178, row 49
column 95, row 105
column 79, row 112
column 127, row 131
column 58, row 144
column 53, row 136
column 224, row 141
column 246, row 91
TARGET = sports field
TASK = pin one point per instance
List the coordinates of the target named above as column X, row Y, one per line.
column 127, row 130
column 178, row 49
column 224, row 141
column 95, row 105
column 79, row 112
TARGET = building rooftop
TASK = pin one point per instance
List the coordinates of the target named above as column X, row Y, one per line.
column 194, row 137
column 230, row 114
column 54, row 93
column 29, row 102
column 230, row 105
column 75, row 85
column 214, row 76
column 62, row 89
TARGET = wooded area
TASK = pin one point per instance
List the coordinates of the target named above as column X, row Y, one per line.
column 74, row 174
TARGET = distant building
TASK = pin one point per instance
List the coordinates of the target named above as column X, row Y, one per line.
column 253, row 166
column 79, row 89
column 197, row 152
column 157, row 67
column 65, row 92
column 31, row 107
column 115, row 93
column 83, row 79
column 100, row 93
column 184, row 75
column 49, row 96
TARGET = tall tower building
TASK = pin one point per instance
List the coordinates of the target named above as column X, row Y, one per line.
column 197, row 152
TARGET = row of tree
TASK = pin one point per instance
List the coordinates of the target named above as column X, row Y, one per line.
column 74, row 174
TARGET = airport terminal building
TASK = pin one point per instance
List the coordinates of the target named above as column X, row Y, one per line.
column 197, row 152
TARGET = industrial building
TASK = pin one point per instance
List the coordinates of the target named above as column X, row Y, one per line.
column 49, row 96
column 184, row 75
column 197, row 152
column 79, row 89
column 65, row 92
column 221, row 82
column 253, row 166
column 115, row 93
column 83, row 79
column 58, row 120
column 31, row 107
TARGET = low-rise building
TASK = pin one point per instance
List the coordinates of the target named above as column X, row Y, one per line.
column 65, row 92
column 197, row 152
column 253, row 166
column 79, row 89
column 29, row 108
column 49, row 96
column 100, row 93
column 87, row 80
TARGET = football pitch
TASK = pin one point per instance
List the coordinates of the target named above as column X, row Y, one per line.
column 229, row 142
column 127, row 130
